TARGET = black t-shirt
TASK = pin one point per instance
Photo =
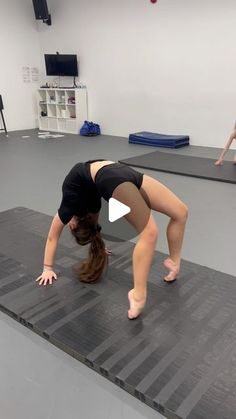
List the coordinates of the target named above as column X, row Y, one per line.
column 79, row 194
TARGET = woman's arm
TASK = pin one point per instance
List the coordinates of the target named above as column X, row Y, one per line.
column 226, row 148
column 50, row 250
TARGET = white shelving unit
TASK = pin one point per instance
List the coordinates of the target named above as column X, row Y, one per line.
column 62, row 110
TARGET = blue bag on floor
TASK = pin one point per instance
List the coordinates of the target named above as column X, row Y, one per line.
column 90, row 129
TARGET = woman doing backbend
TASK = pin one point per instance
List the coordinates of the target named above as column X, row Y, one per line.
column 82, row 190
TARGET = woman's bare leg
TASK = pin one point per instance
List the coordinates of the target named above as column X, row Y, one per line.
column 161, row 199
column 143, row 221
column 142, row 258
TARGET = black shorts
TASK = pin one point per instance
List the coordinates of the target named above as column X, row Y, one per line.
column 109, row 177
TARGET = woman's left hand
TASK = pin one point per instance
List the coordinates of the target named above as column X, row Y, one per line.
column 108, row 252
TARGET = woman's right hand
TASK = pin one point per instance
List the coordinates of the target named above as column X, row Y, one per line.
column 46, row 277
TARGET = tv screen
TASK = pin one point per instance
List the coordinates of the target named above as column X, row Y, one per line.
column 61, row 65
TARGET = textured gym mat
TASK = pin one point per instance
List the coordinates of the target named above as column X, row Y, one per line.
column 184, row 165
column 179, row 357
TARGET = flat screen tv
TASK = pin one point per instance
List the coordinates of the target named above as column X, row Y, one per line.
column 61, row 65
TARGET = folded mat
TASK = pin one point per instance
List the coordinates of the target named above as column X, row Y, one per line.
column 184, row 165
column 159, row 140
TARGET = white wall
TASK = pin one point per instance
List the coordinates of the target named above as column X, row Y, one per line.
column 166, row 67
column 19, row 46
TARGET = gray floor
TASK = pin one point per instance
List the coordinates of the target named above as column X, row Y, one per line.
column 37, row 379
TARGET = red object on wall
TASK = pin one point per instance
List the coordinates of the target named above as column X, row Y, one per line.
column 153, row 1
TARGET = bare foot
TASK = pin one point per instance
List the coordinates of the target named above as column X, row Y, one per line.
column 173, row 270
column 136, row 306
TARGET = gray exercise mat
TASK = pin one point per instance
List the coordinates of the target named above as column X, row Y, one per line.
column 184, row 165
column 179, row 357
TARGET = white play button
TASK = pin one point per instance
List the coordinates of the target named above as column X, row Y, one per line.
column 117, row 210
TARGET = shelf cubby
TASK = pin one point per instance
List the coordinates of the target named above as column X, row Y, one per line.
column 52, row 111
column 60, row 97
column 52, row 124
column 62, row 111
column 71, row 111
column 65, row 109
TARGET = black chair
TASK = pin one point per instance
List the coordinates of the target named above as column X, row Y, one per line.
column 1, row 113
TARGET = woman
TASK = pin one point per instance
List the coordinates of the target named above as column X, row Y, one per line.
column 226, row 148
column 82, row 190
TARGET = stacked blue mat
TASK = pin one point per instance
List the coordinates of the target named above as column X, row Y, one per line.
column 159, row 140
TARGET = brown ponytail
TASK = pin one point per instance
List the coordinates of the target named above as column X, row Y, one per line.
column 91, row 269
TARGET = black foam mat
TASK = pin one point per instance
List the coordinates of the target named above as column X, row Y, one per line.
column 179, row 357
column 184, row 165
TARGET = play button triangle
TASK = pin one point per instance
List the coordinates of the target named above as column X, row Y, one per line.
column 117, row 210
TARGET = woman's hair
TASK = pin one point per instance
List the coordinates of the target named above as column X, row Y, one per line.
column 89, row 232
